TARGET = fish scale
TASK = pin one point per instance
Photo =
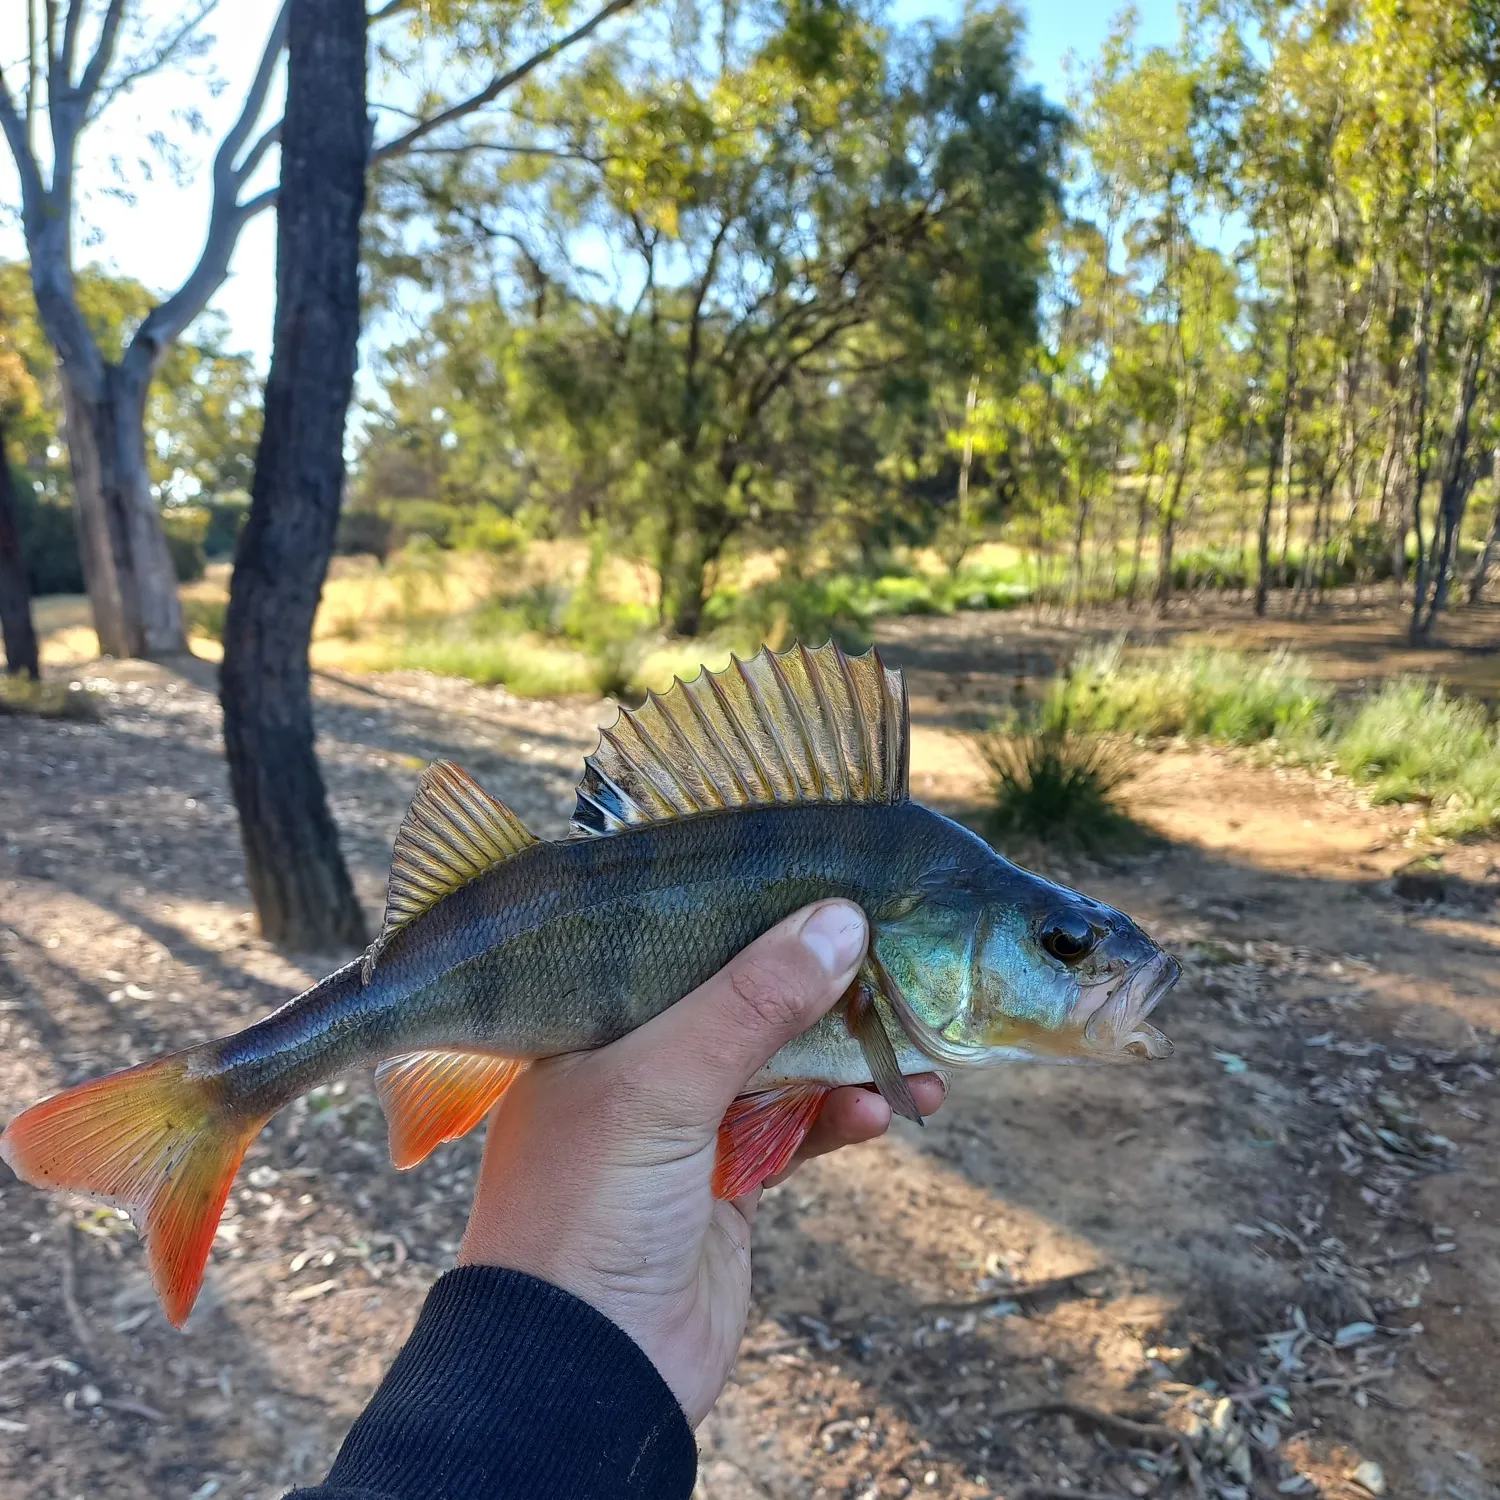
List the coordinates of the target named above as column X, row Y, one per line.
column 703, row 819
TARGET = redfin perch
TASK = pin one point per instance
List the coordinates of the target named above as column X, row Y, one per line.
column 703, row 818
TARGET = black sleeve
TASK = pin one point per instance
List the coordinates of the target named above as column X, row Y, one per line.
column 510, row 1389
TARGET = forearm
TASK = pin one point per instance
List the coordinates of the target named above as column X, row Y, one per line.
column 510, row 1389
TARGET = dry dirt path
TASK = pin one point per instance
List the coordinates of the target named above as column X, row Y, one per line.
column 1299, row 1213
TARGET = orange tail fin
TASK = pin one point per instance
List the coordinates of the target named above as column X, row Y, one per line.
column 153, row 1141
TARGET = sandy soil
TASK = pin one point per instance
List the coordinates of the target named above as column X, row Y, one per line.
column 1260, row 1268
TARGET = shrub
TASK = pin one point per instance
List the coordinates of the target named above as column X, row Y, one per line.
column 364, row 531
column 205, row 617
column 226, row 519
column 49, row 542
column 185, row 528
column 1052, row 782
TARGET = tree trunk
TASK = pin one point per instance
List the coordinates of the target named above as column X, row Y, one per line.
column 126, row 565
column 297, row 876
column 1169, row 514
column 1457, row 478
column 1491, row 541
column 15, row 598
column 1142, row 515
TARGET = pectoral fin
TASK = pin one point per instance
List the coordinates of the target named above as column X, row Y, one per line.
column 868, row 1029
column 432, row 1097
column 761, row 1133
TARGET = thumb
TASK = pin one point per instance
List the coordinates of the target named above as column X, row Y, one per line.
column 697, row 1056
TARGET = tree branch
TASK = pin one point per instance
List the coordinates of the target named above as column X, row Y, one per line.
column 32, row 190
column 255, row 101
column 226, row 217
column 498, row 84
column 154, row 60
column 391, row 8
column 93, row 74
column 69, row 54
column 271, row 136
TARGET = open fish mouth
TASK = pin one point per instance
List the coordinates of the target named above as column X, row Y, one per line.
column 1119, row 1026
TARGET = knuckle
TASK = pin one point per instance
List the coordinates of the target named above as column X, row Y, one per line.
column 768, row 995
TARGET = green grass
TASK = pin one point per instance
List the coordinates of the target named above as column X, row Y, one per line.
column 1228, row 696
column 1414, row 742
column 527, row 665
column 48, row 699
column 844, row 606
column 1411, row 741
column 1052, row 782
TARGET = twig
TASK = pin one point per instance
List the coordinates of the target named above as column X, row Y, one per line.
column 1140, row 1432
column 1035, row 1291
column 134, row 1409
column 81, row 1330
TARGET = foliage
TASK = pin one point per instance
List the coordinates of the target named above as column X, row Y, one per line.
column 807, row 221
column 1055, row 783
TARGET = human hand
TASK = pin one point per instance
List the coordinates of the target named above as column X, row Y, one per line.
column 597, row 1168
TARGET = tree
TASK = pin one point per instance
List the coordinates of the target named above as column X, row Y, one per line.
column 796, row 206
column 297, row 876
column 19, row 398
column 132, row 591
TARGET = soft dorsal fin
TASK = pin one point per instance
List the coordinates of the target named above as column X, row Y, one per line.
column 801, row 726
column 452, row 832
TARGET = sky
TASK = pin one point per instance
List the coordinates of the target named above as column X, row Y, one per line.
column 144, row 218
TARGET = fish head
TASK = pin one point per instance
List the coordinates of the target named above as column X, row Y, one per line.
column 999, row 964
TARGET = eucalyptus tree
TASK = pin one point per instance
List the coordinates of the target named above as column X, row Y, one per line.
column 81, row 58
column 792, row 202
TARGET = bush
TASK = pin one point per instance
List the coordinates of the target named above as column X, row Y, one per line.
column 1052, row 782
column 226, row 519
column 49, row 542
column 205, row 617
column 364, row 531
column 1221, row 695
column 185, row 528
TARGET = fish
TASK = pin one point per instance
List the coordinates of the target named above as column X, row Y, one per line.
column 704, row 817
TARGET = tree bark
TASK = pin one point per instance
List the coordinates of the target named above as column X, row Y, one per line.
column 1457, row 477
column 126, row 565
column 15, row 598
column 1492, row 540
column 301, row 888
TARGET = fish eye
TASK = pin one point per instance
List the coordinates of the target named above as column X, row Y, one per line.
column 1068, row 937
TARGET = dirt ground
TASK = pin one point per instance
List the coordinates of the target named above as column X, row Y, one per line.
column 1270, row 1265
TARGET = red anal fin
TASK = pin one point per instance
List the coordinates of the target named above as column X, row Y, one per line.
column 432, row 1097
column 761, row 1133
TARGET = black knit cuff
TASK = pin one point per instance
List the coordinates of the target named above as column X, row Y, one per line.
column 511, row 1389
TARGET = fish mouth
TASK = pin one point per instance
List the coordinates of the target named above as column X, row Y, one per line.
column 1116, row 1025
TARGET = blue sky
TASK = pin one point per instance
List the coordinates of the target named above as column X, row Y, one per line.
column 143, row 221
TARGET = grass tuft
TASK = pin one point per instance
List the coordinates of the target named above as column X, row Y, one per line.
column 1414, row 742
column 1054, row 783
column 24, row 695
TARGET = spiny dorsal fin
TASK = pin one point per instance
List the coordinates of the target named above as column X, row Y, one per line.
column 801, row 726
column 453, row 831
